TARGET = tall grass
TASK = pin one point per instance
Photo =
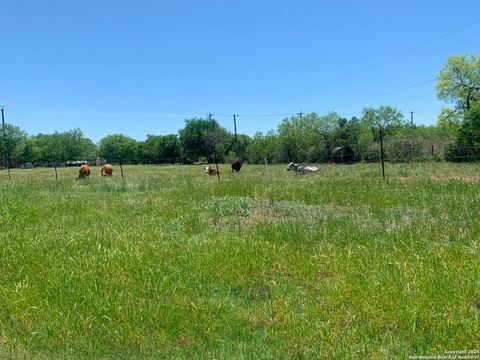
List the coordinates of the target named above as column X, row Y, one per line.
column 171, row 263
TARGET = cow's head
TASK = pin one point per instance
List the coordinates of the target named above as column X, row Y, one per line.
column 207, row 169
column 292, row 167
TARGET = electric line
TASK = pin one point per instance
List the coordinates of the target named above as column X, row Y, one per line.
column 257, row 115
column 212, row 115
column 402, row 53
column 426, row 43
column 387, row 93
column 414, row 98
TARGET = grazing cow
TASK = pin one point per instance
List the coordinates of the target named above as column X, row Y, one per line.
column 301, row 169
column 236, row 165
column 107, row 170
column 84, row 172
column 212, row 171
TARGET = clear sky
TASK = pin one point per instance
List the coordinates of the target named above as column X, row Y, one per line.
column 141, row 67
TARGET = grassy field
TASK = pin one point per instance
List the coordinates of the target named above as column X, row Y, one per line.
column 171, row 263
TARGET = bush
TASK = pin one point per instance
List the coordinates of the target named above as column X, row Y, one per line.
column 462, row 152
column 403, row 150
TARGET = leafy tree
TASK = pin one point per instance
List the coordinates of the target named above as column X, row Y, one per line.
column 459, row 81
column 118, row 148
column 10, row 138
column 308, row 138
column 162, row 148
column 46, row 150
column 24, row 152
column 449, row 119
column 391, row 119
column 469, row 132
column 62, row 146
column 467, row 146
column 53, row 149
column 348, row 132
column 264, row 146
column 290, row 136
column 201, row 137
column 383, row 115
column 238, row 149
column 73, row 145
column 217, row 142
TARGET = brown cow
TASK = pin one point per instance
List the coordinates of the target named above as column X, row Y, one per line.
column 236, row 165
column 84, row 172
column 107, row 170
column 212, row 171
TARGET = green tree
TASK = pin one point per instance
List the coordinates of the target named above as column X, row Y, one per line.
column 348, row 132
column 162, row 149
column 217, row 143
column 449, row 120
column 459, row 82
column 385, row 116
column 51, row 149
column 469, row 132
column 11, row 137
column 391, row 119
column 264, row 147
column 308, row 138
column 25, row 152
column 238, row 149
column 201, row 137
column 467, row 146
column 118, row 148
column 59, row 147
column 75, row 146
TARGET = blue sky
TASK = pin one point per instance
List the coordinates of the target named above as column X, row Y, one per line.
column 141, row 67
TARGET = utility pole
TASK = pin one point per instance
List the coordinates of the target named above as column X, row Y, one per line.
column 209, row 115
column 300, row 114
column 382, row 154
column 5, row 160
column 235, row 127
column 411, row 116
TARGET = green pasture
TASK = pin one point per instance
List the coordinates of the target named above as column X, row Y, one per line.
column 171, row 263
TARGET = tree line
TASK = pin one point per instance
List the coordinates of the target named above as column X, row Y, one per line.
column 303, row 138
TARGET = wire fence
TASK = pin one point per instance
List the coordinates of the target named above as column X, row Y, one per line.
column 395, row 150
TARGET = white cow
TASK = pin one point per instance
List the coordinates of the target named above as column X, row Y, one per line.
column 301, row 169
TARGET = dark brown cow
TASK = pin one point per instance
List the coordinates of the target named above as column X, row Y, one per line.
column 107, row 170
column 84, row 172
column 236, row 165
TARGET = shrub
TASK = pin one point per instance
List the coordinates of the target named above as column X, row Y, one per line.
column 462, row 152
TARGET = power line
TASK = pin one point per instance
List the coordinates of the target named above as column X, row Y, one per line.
column 355, row 113
column 402, row 53
column 414, row 98
column 257, row 115
column 388, row 93
column 426, row 43
column 246, row 115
